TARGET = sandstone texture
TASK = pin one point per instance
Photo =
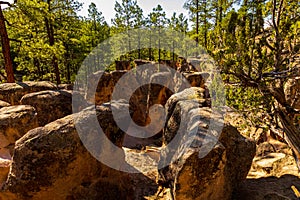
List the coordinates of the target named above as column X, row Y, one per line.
column 15, row 121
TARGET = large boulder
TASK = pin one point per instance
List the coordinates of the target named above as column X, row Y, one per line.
column 202, row 160
column 51, row 162
column 15, row 121
column 13, row 92
column 50, row 105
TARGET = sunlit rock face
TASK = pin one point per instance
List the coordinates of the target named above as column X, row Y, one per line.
column 51, row 162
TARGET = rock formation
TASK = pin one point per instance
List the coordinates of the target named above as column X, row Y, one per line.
column 204, row 164
column 13, row 92
column 51, row 162
column 192, row 157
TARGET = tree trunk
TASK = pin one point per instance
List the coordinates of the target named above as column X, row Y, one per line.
column 291, row 136
column 50, row 32
column 197, row 22
column 6, row 49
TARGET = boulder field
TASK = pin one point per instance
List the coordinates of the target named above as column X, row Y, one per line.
column 44, row 145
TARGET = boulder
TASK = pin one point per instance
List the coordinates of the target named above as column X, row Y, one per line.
column 13, row 92
column 4, row 104
column 51, row 162
column 199, row 159
column 50, row 105
column 15, row 121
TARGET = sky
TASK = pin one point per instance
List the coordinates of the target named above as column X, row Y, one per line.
column 107, row 7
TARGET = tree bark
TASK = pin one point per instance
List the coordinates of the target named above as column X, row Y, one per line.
column 291, row 136
column 197, row 22
column 6, row 49
column 50, row 32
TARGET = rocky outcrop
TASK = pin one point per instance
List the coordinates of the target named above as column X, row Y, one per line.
column 206, row 162
column 50, row 105
column 13, row 92
column 51, row 162
column 4, row 104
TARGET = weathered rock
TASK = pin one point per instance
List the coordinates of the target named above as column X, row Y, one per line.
column 65, row 87
column 123, row 65
column 15, row 121
column 50, row 105
column 13, row 92
column 51, row 162
column 197, row 79
column 206, row 161
column 105, row 86
column 4, row 104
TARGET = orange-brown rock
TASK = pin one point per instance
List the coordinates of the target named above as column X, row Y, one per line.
column 13, row 92
column 51, row 162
